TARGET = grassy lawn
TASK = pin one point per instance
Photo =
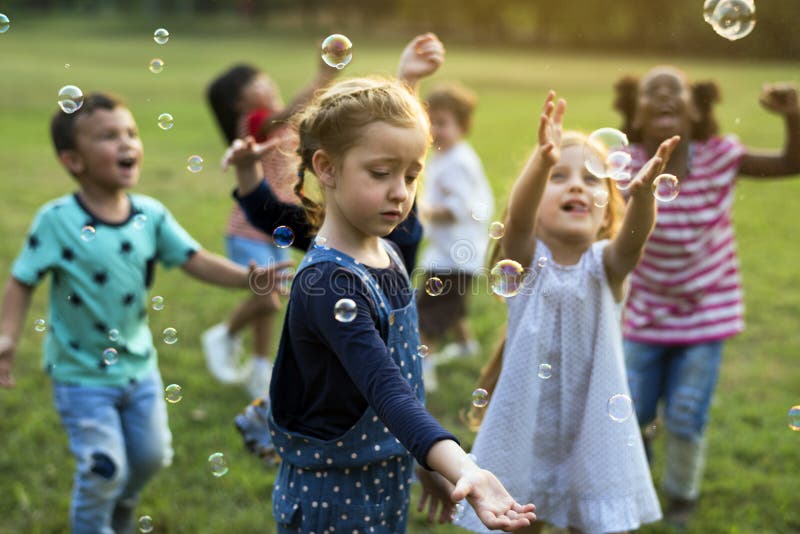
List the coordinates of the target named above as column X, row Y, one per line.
column 751, row 484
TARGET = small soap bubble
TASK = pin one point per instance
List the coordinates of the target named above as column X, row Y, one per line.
column 734, row 19
column 283, row 237
column 67, row 65
column 480, row 398
column 145, row 524
column 5, row 24
column 156, row 65
column 602, row 152
column 617, row 162
column 337, row 51
column 194, row 163
column 506, row 278
column 157, row 303
column 423, row 350
column 497, row 230
column 70, row 98
column 541, row 262
column 113, row 335
column 139, row 220
column 620, row 407
column 666, row 187
column 217, row 464
column 622, row 180
column 110, row 356
column 40, row 325
column 173, row 393
column 600, row 198
column 87, row 233
column 480, row 211
column 161, row 36
column 434, row 286
column 545, row 371
column 458, row 511
column 320, row 242
column 345, row 310
column 170, row 336
column 165, row 121
column 794, row 418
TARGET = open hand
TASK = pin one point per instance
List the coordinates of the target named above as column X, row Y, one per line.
column 266, row 281
column 7, row 350
column 493, row 504
column 436, row 492
column 780, row 98
column 550, row 129
column 246, row 152
column 420, row 58
column 642, row 185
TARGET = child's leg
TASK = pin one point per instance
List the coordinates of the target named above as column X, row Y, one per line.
column 148, row 443
column 92, row 422
column 248, row 311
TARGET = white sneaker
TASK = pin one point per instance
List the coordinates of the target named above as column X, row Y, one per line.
column 257, row 381
column 222, row 354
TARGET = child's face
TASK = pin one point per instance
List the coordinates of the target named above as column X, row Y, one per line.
column 108, row 151
column 568, row 211
column 445, row 130
column 374, row 184
column 664, row 107
column 260, row 93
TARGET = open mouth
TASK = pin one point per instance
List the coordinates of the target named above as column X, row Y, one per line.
column 126, row 163
column 575, row 206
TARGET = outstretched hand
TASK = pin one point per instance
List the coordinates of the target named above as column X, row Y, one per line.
column 246, row 152
column 271, row 280
column 420, row 58
column 550, row 129
column 642, row 185
column 780, row 98
column 492, row 503
column 7, row 349
column 436, row 492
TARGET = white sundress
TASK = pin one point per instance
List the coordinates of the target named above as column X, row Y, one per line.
column 552, row 441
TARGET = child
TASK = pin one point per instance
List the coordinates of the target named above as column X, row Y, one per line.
column 101, row 245
column 551, row 436
column 246, row 102
column 685, row 295
column 346, row 394
column 454, row 183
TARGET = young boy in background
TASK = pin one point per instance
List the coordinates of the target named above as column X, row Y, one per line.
column 101, row 245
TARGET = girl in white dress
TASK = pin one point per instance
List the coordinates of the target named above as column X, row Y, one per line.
column 560, row 429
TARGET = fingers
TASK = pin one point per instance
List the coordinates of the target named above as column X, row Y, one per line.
column 462, row 489
column 561, row 107
column 277, row 266
column 422, row 500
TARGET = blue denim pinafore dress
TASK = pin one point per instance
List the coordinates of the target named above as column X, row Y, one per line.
column 359, row 481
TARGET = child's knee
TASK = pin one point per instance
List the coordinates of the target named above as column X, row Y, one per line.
column 686, row 412
column 102, row 474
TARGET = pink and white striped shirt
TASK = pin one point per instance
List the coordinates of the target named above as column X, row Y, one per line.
column 687, row 289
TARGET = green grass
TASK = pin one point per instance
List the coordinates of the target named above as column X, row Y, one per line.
column 751, row 484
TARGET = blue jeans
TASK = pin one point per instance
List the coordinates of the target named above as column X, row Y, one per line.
column 120, row 439
column 683, row 375
column 242, row 250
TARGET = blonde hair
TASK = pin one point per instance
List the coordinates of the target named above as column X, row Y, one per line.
column 335, row 120
column 613, row 220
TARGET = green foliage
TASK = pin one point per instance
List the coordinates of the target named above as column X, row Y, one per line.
column 751, row 483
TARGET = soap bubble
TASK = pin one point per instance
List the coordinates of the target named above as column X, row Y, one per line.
column 173, row 393
column 506, row 278
column 217, row 464
column 480, row 211
column 666, row 187
column 40, row 325
column 480, row 398
column 602, row 153
column 161, row 36
column 165, row 121
column 337, row 51
column 156, row 65
column 345, row 310
column 70, row 98
column 708, row 9
column 600, row 198
column 5, row 24
column 320, row 242
column 423, row 350
column 794, row 418
column 170, row 336
column 434, row 286
column 497, row 230
column 157, row 302
column 88, row 232
column 139, row 220
column 194, row 163
column 620, row 407
column 110, row 356
column 113, row 335
column 145, row 524
column 541, row 262
column 545, row 371
column 734, row 19
column 283, row 237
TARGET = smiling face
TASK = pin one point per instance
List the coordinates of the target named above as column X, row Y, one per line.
column 371, row 190
column 664, row 107
column 108, row 151
column 567, row 212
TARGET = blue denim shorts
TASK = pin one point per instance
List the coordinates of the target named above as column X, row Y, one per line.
column 684, row 376
column 242, row 250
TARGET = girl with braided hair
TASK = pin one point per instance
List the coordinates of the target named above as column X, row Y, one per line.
column 685, row 295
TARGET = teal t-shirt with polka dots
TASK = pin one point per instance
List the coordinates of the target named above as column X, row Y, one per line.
column 101, row 273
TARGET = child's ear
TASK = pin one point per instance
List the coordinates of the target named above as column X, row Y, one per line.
column 72, row 161
column 324, row 168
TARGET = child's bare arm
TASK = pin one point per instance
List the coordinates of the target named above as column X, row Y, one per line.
column 421, row 57
column 782, row 99
column 215, row 269
column 16, row 301
column 519, row 240
column 624, row 251
column 245, row 155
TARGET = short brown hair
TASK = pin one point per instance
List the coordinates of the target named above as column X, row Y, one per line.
column 455, row 98
column 62, row 125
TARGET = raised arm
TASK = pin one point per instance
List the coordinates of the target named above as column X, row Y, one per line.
column 16, row 301
column 780, row 98
column 421, row 57
column 624, row 251
column 519, row 240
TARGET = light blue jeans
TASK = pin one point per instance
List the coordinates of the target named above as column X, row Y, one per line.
column 120, row 439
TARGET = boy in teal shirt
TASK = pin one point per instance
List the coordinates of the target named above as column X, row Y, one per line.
column 101, row 245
